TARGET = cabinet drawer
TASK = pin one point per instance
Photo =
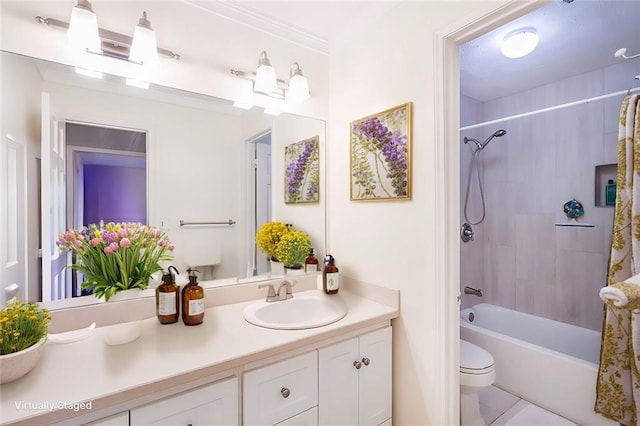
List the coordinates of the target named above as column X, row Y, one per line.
column 279, row 391
column 308, row 418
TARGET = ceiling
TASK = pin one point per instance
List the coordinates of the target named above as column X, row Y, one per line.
column 576, row 36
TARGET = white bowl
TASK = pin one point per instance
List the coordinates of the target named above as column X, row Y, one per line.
column 14, row 366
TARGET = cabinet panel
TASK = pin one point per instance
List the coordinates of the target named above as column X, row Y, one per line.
column 355, row 380
column 338, row 395
column 308, row 418
column 279, row 391
column 375, row 377
column 215, row 404
column 120, row 419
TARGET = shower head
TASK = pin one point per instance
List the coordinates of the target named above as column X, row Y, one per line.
column 481, row 146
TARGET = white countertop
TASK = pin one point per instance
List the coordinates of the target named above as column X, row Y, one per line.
column 163, row 357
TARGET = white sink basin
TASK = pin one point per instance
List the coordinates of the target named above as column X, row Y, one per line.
column 307, row 309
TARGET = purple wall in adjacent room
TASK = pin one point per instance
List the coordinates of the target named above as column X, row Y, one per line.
column 114, row 194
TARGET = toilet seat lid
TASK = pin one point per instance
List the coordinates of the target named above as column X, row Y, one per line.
column 474, row 358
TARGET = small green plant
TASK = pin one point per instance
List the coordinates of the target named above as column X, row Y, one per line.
column 293, row 248
column 22, row 325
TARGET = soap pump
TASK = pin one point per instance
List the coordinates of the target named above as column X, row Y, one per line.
column 168, row 298
column 330, row 275
column 192, row 300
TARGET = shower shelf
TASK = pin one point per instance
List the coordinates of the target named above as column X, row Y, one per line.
column 576, row 225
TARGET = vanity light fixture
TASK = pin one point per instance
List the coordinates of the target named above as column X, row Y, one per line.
column 298, row 85
column 83, row 27
column 144, row 48
column 266, row 83
column 109, row 43
column 519, row 43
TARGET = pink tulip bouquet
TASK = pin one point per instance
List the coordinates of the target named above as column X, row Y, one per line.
column 117, row 256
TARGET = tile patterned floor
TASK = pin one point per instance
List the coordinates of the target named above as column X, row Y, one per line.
column 500, row 408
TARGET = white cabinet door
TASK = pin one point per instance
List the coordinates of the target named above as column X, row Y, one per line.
column 120, row 419
column 338, row 378
column 375, row 377
column 215, row 404
column 355, row 380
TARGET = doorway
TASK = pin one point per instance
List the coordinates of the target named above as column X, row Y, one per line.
column 259, row 197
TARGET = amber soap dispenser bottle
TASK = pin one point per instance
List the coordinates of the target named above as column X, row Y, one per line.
column 192, row 300
column 330, row 275
column 168, row 298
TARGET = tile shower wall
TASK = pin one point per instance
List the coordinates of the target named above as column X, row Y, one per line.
column 519, row 258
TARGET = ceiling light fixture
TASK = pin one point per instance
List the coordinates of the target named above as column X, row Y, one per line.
column 144, row 48
column 83, row 27
column 88, row 73
column 266, row 83
column 519, row 43
column 111, row 44
column 137, row 83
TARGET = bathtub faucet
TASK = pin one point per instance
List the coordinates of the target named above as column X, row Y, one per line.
column 474, row 291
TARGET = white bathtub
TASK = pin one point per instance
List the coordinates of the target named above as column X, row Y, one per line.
column 549, row 363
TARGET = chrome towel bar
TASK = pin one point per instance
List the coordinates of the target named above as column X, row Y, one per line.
column 228, row 222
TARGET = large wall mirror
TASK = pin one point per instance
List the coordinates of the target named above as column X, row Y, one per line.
column 160, row 155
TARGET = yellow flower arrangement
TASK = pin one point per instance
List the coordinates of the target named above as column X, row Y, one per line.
column 269, row 235
column 293, row 248
column 22, row 325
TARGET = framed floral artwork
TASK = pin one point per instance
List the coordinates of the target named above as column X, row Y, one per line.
column 302, row 172
column 381, row 155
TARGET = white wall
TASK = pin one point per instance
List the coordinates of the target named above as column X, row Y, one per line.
column 385, row 63
column 528, row 264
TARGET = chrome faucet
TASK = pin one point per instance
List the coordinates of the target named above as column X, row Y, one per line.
column 474, row 291
column 284, row 290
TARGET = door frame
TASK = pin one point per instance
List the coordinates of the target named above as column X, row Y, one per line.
column 447, row 148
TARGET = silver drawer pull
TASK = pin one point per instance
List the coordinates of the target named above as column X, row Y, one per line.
column 366, row 361
column 285, row 392
column 357, row 365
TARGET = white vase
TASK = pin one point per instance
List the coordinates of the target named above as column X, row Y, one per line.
column 293, row 272
column 119, row 334
column 14, row 366
column 277, row 268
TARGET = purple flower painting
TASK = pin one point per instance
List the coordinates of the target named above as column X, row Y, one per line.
column 302, row 171
column 380, row 155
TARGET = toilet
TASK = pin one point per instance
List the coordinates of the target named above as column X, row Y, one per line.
column 477, row 371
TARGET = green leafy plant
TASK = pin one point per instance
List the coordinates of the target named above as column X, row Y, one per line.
column 22, row 325
column 117, row 256
column 293, row 248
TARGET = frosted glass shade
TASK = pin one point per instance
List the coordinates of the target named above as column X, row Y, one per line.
column 298, row 89
column 83, row 29
column 265, row 79
column 519, row 43
column 144, row 47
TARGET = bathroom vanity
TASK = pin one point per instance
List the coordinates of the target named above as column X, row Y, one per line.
column 224, row 371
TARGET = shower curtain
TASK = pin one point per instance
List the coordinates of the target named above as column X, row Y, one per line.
column 618, row 386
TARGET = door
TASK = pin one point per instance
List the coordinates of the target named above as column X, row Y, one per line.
column 375, row 377
column 259, row 198
column 53, row 182
column 12, row 220
column 338, row 384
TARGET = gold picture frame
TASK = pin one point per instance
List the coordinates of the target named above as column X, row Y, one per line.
column 302, row 171
column 380, row 151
